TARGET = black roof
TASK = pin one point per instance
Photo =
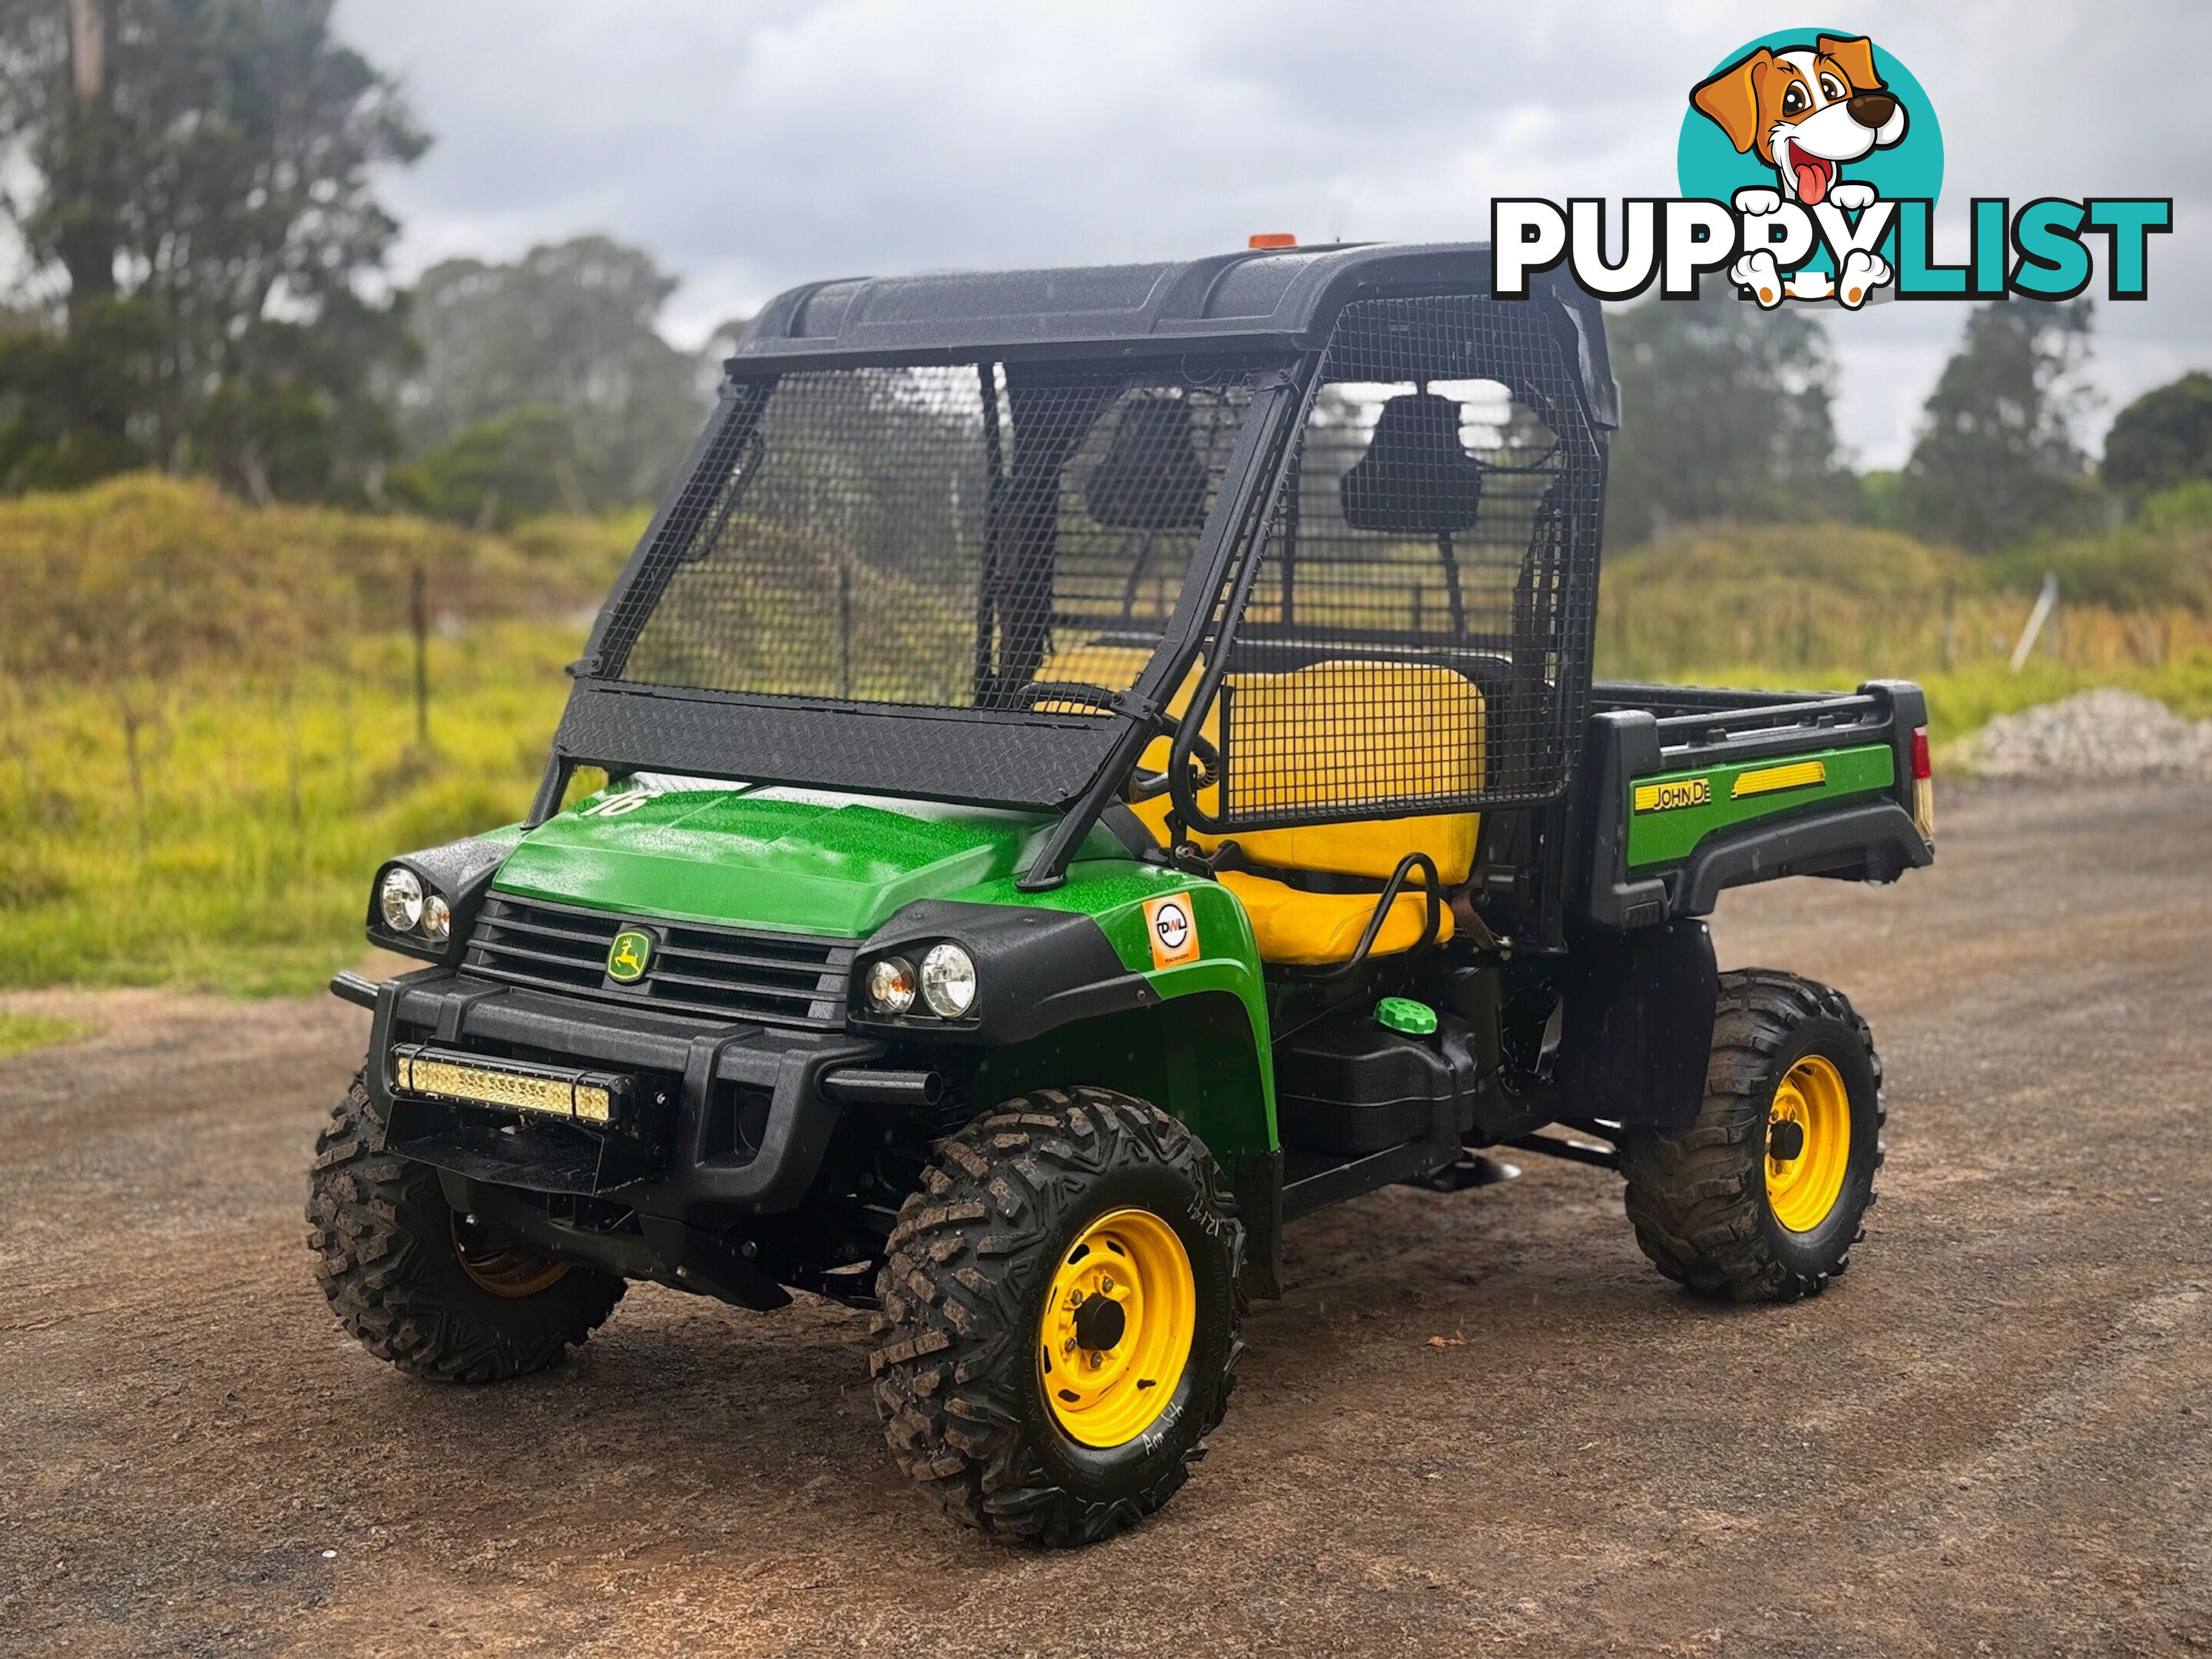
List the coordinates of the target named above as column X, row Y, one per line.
column 1263, row 300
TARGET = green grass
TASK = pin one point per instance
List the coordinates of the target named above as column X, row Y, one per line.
column 266, row 808
column 21, row 1033
column 240, row 861
column 207, row 727
column 1961, row 701
column 1826, row 606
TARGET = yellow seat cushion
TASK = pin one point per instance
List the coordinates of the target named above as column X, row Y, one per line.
column 1314, row 929
column 1373, row 848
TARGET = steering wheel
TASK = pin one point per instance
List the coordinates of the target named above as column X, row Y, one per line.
column 1143, row 785
column 1030, row 693
column 1205, row 765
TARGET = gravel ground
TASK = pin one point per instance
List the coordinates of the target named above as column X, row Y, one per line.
column 1993, row 1436
column 2103, row 733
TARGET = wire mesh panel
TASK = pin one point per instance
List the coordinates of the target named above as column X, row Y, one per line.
column 1418, row 637
column 975, row 537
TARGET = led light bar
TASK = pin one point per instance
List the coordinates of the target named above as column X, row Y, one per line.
column 592, row 1097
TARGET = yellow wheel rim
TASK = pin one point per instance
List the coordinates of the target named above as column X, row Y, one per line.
column 1812, row 1110
column 1117, row 1327
column 500, row 1268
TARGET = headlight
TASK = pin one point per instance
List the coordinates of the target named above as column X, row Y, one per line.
column 401, row 900
column 437, row 918
column 891, row 984
column 948, row 981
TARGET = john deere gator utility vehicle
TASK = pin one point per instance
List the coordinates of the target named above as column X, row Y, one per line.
column 1098, row 764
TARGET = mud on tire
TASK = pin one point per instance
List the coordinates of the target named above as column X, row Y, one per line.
column 388, row 1262
column 1698, row 1195
column 962, row 1292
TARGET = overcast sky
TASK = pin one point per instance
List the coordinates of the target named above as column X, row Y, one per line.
column 752, row 144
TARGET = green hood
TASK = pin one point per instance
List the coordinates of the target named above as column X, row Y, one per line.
column 804, row 860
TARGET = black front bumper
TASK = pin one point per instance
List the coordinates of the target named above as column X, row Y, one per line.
column 734, row 1118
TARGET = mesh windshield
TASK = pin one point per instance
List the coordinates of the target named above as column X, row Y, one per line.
column 960, row 537
column 1426, row 589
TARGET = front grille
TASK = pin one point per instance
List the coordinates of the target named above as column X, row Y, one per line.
column 714, row 973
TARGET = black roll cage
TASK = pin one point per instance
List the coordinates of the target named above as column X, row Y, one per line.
column 1073, row 764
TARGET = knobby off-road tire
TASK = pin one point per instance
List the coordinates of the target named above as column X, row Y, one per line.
column 975, row 1255
column 389, row 1257
column 1699, row 1196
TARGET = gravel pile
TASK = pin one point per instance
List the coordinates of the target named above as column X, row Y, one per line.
column 2104, row 733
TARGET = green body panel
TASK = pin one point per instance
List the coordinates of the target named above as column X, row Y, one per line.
column 815, row 862
column 1113, row 891
column 805, row 860
column 1194, row 1057
column 1666, row 837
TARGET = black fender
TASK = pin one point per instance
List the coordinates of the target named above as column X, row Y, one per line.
column 1637, row 1025
column 1035, row 969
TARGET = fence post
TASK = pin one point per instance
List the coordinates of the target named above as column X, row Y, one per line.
column 420, row 619
column 2045, row 602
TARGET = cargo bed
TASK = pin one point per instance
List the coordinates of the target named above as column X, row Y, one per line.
column 1693, row 790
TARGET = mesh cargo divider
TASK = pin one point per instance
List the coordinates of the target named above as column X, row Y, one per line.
column 1417, row 636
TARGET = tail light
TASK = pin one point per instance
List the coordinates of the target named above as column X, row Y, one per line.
column 1923, row 785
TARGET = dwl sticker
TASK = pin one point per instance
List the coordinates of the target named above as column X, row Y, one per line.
column 1173, row 928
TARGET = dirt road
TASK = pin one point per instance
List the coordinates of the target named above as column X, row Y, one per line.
column 1994, row 1435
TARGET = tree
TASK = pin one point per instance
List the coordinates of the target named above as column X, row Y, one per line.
column 1996, row 460
column 720, row 342
column 71, row 399
column 2162, row 438
column 571, row 327
column 209, row 163
column 507, row 467
column 1725, row 413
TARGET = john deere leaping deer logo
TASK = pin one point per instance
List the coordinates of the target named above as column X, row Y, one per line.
column 629, row 956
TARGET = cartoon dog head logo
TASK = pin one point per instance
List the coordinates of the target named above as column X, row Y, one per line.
column 1806, row 111
column 1772, row 132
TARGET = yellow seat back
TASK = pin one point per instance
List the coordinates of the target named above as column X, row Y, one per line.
column 1344, row 731
column 1090, row 662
